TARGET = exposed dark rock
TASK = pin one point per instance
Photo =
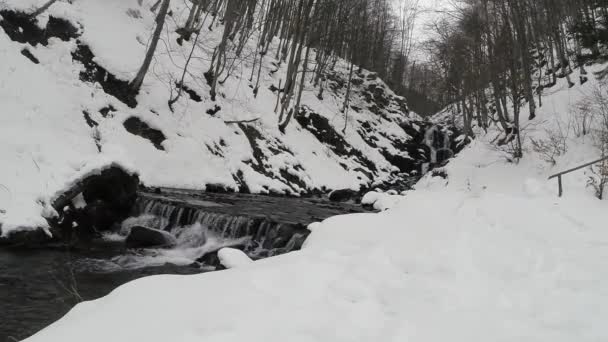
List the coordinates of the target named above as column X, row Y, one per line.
column 184, row 34
column 96, row 202
column 215, row 150
column 193, row 95
column 136, row 126
column 214, row 110
column 239, row 178
column 212, row 259
column 343, row 195
column 60, row 28
column 404, row 164
column 209, row 77
column 28, row 54
column 105, row 111
column 87, row 117
column 372, row 76
column 93, row 73
column 439, row 173
column 260, row 161
column 320, row 127
column 25, row 238
column 376, row 97
column 357, row 81
column 22, row 28
column 217, row 188
column 273, row 88
column 145, row 237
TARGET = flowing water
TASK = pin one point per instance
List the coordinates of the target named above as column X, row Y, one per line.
column 39, row 286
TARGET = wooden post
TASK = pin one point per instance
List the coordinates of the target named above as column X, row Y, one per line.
column 559, row 175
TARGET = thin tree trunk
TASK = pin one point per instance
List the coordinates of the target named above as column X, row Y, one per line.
column 160, row 22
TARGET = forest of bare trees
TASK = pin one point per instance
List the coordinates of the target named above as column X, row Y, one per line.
column 499, row 56
column 311, row 34
column 489, row 61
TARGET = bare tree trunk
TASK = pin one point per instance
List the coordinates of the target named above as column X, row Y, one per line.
column 155, row 6
column 348, row 87
column 160, row 22
column 296, row 108
column 229, row 17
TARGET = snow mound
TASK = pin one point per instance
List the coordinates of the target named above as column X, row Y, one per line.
column 231, row 258
column 380, row 200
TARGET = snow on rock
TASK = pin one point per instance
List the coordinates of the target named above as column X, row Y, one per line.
column 381, row 201
column 146, row 237
column 314, row 225
column 231, row 257
column 439, row 266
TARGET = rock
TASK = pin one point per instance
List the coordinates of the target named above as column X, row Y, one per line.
column 342, row 195
column 25, row 238
column 96, row 202
column 370, row 198
column 144, row 237
column 136, row 126
column 211, row 259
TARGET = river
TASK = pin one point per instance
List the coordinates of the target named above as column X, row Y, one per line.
column 39, row 286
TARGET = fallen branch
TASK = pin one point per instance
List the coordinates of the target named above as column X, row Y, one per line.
column 42, row 9
column 240, row 121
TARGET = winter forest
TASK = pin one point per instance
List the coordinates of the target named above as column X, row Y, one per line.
column 303, row 170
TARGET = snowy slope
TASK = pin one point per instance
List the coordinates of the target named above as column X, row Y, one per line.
column 53, row 124
column 484, row 166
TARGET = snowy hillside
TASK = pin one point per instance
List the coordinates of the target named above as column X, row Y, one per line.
column 566, row 133
column 63, row 111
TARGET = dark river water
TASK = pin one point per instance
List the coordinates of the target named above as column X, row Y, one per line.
column 39, row 286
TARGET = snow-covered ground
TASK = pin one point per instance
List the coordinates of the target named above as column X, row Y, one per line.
column 488, row 254
column 46, row 139
column 442, row 265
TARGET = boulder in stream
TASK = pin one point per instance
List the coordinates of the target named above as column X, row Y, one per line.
column 343, row 195
column 145, row 237
column 96, row 201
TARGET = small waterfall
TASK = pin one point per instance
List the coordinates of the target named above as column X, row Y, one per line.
column 439, row 144
column 194, row 226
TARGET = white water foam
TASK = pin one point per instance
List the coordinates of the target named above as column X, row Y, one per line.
column 193, row 242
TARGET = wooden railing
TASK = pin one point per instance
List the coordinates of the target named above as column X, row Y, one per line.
column 560, row 174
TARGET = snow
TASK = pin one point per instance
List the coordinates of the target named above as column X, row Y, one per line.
column 231, row 257
column 381, row 201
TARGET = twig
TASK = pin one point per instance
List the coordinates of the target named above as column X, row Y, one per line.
column 240, row 121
